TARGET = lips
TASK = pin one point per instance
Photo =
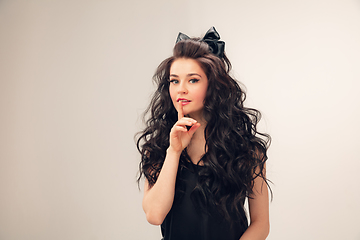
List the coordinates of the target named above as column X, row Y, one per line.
column 183, row 100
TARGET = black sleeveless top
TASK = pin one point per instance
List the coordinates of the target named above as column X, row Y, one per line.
column 186, row 220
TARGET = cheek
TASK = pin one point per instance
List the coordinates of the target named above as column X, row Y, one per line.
column 201, row 94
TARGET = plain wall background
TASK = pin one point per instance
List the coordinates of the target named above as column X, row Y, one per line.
column 75, row 77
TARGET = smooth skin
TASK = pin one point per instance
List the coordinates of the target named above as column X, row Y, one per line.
column 158, row 199
column 188, row 81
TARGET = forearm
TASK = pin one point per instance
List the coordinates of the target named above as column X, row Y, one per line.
column 256, row 231
column 159, row 198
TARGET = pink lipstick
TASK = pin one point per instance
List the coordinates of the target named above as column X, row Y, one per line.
column 183, row 101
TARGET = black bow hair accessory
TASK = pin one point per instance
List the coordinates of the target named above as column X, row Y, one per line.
column 212, row 38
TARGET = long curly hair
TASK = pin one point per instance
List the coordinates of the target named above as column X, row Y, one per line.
column 235, row 149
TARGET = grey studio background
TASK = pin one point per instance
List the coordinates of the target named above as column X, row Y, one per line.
column 75, row 77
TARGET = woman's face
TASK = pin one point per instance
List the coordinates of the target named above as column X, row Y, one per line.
column 188, row 86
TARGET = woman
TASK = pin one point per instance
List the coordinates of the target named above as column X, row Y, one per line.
column 202, row 155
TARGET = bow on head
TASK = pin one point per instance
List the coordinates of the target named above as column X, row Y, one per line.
column 212, row 38
column 181, row 36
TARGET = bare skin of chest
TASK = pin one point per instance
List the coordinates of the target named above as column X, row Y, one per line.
column 196, row 148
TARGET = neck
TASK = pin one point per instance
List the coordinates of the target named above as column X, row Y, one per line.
column 196, row 148
column 200, row 132
column 199, row 118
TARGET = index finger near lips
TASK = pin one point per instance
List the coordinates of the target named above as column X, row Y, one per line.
column 180, row 110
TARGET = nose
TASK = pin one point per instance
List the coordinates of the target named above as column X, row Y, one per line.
column 182, row 87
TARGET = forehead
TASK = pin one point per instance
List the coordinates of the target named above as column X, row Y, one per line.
column 185, row 66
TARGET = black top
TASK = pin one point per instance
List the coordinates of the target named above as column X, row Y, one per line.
column 186, row 220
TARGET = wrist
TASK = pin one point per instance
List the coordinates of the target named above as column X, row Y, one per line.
column 172, row 151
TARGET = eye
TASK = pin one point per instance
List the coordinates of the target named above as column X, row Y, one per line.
column 174, row 81
column 194, row 80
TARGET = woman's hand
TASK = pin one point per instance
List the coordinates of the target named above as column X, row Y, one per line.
column 180, row 137
column 159, row 198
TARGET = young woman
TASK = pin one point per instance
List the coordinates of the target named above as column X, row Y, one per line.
column 201, row 153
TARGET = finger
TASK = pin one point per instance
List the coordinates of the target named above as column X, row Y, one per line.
column 193, row 129
column 189, row 119
column 186, row 122
column 180, row 110
column 180, row 128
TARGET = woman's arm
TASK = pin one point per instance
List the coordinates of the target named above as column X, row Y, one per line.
column 259, row 212
column 158, row 199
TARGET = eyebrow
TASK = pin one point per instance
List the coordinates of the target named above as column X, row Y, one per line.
column 189, row 75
